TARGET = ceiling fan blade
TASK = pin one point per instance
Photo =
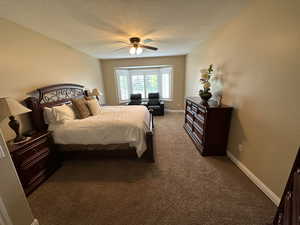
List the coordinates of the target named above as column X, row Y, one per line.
column 147, row 41
column 118, row 49
column 122, row 42
column 149, row 47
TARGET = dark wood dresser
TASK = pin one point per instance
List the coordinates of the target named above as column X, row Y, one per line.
column 35, row 160
column 288, row 212
column 208, row 126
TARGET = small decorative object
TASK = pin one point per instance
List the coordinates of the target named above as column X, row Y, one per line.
column 97, row 93
column 205, row 77
column 10, row 108
column 217, row 97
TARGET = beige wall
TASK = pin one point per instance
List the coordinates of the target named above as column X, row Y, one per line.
column 11, row 193
column 178, row 63
column 258, row 54
column 29, row 60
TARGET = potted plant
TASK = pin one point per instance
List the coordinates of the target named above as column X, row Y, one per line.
column 205, row 93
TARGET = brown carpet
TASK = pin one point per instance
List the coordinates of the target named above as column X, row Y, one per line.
column 181, row 188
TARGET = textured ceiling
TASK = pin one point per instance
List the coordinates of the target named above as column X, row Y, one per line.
column 96, row 27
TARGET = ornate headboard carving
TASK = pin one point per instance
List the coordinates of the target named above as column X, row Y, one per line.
column 50, row 96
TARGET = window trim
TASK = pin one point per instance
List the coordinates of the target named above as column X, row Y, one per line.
column 117, row 83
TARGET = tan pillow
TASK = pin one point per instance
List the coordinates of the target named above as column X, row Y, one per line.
column 81, row 106
column 89, row 97
column 74, row 109
column 94, row 107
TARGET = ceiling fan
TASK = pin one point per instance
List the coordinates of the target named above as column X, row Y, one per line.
column 136, row 48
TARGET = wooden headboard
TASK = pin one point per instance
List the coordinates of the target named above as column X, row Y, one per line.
column 50, row 96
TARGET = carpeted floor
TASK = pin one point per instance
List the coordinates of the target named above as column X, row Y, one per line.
column 181, row 188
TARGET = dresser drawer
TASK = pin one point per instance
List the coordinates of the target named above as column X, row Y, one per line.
column 189, row 118
column 190, row 113
column 33, row 165
column 189, row 122
column 188, row 127
column 296, row 197
column 197, row 137
column 194, row 108
column 288, row 204
column 200, row 120
column 202, row 111
column 199, row 130
column 188, row 108
column 29, row 151
column 36, row 180
column 29, row 162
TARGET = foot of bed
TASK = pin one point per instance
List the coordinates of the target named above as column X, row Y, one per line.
column 151, row 159
column 149, row 154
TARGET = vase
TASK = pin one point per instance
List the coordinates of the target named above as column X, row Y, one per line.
column 205, row 96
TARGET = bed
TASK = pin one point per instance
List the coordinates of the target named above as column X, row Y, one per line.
column 117, row 131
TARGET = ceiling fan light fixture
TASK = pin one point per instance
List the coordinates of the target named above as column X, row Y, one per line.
column 139, row 50
column 136, row 48
column 132, row 50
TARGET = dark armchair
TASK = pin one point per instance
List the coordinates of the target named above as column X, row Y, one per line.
column 135, row 99
column 155, row 104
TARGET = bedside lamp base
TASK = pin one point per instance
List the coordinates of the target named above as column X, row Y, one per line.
column 15, row 126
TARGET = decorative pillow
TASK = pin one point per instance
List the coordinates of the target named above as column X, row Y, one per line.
column 81, row 106
column 89, row 97
column 94, row 107
column 77, row 116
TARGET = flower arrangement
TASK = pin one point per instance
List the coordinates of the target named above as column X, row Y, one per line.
column 205, row 77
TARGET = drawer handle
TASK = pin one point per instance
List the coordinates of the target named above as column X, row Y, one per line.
column 289, row 195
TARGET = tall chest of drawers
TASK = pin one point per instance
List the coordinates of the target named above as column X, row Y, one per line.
column 208, row 126
column 35, row 160
column 288, row 212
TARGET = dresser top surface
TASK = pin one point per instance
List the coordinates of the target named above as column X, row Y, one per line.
column 212, row 104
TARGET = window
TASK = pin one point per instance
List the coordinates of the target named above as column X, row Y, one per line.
column 144, row 81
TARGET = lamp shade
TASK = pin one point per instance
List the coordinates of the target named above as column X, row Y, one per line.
column 139, row 51
column 11, row 107
column 96, row 92
column 132, row 50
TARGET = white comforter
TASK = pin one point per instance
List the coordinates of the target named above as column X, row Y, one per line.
column 114, row 125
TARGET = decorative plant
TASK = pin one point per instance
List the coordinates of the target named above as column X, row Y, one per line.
column 205, row 77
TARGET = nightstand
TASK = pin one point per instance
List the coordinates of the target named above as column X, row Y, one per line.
column 35, row 160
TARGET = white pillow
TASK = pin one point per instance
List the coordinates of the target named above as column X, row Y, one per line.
column 63, row 113
column 49, row 116
column 94, row 107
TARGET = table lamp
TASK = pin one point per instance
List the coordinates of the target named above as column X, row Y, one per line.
column 10, row 107
column 97, row 93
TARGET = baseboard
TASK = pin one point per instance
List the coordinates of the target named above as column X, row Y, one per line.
column 174, row 110
column 271, row 195
column 35, row 222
